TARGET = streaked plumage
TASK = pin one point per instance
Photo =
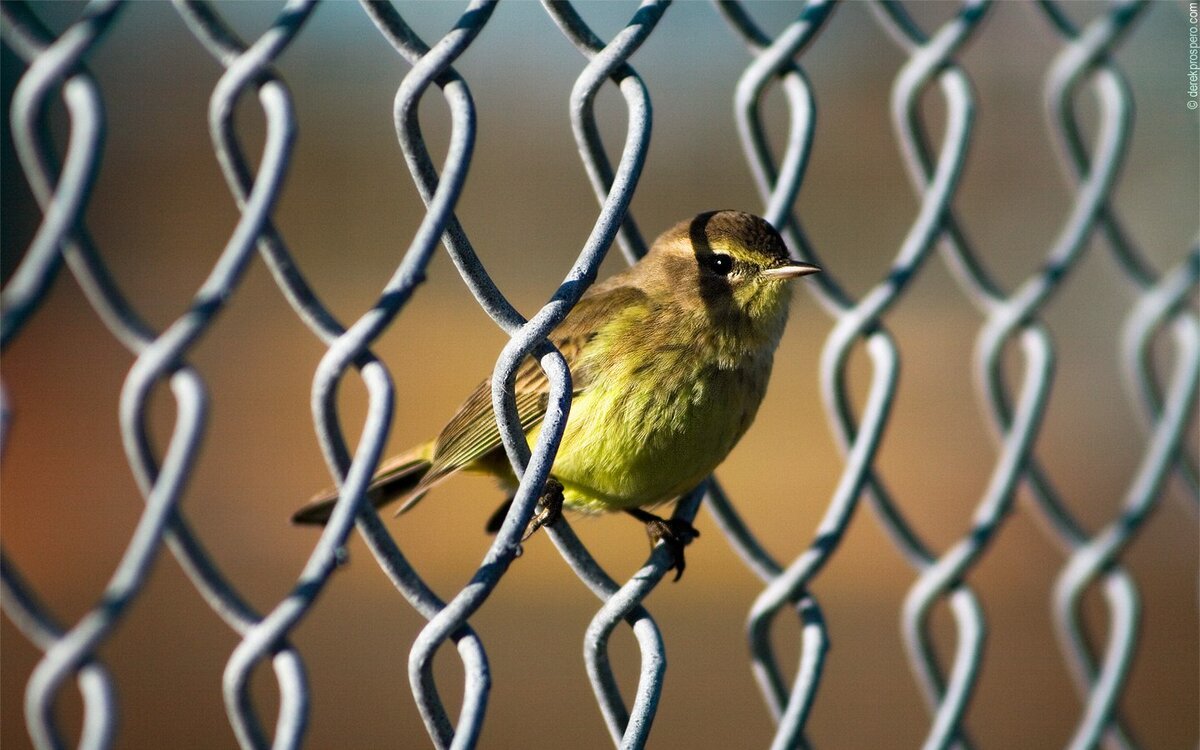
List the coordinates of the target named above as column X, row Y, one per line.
column 669, row 362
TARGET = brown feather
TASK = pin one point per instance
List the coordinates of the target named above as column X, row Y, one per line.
column 472, row 433
column 396, row 478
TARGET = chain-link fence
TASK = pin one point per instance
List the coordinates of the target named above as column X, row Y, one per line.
column 1050, row 298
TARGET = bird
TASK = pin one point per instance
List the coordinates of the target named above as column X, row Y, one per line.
column 669, row 363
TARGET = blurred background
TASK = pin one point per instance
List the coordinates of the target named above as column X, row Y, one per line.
column 161, row 214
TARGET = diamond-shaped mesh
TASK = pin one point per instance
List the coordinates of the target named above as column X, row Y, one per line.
column 58, row 129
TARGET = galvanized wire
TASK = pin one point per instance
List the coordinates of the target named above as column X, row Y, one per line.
column 858, row 321
column 1009, row 318
column 1012, row 320
column 1086, row 58
column 27, row 35
column 776, row 59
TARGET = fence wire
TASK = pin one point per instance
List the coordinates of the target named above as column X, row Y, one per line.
column 62, row 176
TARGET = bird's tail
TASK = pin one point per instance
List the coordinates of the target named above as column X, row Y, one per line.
column 395, row 480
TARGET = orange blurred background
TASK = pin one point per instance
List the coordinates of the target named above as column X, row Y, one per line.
column 161, row 214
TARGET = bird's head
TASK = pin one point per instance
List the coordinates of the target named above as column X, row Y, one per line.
column 731, row 264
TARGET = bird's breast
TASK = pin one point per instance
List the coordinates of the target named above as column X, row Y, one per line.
column 647, row 429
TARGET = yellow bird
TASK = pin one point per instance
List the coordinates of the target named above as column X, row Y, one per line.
column 669, row 362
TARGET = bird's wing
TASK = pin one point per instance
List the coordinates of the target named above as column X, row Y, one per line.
column 472, row 432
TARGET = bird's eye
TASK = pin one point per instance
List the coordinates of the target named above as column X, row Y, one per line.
column 719, row 263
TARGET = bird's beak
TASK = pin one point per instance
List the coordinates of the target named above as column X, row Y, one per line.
column 790, row 270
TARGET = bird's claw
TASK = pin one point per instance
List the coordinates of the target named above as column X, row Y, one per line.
column 675, row 534
column 550, row 507
column 549, row 510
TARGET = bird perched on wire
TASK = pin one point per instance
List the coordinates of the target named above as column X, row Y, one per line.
column 669, row 362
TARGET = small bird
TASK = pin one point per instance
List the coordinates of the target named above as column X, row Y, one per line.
column 669, row 362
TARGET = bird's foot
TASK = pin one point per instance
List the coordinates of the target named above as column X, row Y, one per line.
column 549, row 510
column 550, row 507
column 675, row 534
column 497, row 518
